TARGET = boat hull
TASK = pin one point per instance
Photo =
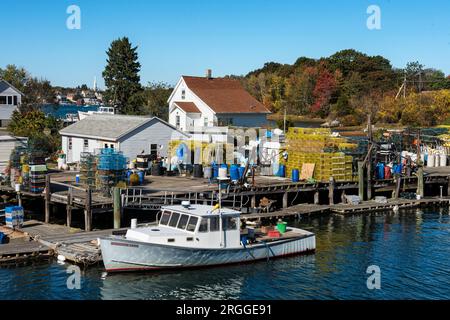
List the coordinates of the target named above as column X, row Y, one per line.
column 120, row 255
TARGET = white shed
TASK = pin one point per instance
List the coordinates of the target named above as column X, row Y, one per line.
column 132, row 135
column 7, row 144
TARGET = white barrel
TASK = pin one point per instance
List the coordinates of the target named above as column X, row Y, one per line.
column 222, row 173
column 17, row 187
column 443, row 159
column 133, row 223
column 208, row 172
column 430, row 162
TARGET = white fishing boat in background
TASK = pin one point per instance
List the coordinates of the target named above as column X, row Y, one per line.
column 101, row 110
column 189, row 236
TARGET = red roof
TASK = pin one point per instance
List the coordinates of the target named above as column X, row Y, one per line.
column 224, row 95
column 188, row 107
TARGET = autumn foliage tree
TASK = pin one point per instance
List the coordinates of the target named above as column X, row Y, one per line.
column 346, row 86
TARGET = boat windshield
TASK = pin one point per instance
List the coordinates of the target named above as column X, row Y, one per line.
column 183, row 221
column 174, row 219
column 192, row 223
column 165, row 218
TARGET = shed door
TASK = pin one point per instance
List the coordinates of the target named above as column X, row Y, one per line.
column 69, row 150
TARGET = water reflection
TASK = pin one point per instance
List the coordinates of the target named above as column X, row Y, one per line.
column 248, row 281
column 411, row 247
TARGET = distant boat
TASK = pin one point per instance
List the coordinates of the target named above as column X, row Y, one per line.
column 191, row 236
column 101, row 110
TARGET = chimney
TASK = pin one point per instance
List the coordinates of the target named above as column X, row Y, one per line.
column 208, row 74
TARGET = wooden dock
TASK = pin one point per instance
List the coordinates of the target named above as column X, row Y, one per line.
column 42, row 240
column 364, row 207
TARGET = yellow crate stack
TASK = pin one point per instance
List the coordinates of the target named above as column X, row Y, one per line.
column 306, row 145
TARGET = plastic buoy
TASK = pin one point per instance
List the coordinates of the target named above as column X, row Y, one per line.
column 61, row 258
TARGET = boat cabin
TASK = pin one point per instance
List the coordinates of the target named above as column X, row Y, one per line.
column 198, row 226
column 109, row 110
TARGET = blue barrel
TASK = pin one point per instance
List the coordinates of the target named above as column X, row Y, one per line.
column 129, row 173
column 215, row 170
column 380, row 170
column 141, row 175
column 234, row 172
column 241, row 172
column 295, row 175
column 397, row 169
column 2, row 238
column 282, row 170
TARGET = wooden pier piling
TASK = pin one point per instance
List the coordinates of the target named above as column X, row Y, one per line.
column 361, row 179
column 69, row 206
column 117, row 207
column 47, row 198
column 88, row 211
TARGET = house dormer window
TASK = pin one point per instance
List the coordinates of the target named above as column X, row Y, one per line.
column 183, row 94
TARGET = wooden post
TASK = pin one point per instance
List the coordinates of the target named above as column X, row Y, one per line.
column 361, row 180
column 420, row 184
column 47, row 198
column 369, row 158
column 69, row 206
column 88, row 211
column 253, row 200
column 448, row 186
column 19, row 198
column 117, row 207
column 331, row 187
column 343, row 199
column 316, row 197
column 285, row 200
column 397, row 187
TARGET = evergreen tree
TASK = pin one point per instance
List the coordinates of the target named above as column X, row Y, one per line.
column 121, row 75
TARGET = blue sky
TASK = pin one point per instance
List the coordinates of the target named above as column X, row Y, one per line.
column 230, row 36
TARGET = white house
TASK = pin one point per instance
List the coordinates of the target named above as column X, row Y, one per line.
column 212, row 102
column 10, row 100
column 132, row 135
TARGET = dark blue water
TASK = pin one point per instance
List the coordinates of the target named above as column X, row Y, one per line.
column 60, row 112
column 412, row 249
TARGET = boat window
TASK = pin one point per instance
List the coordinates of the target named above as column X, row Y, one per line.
column 230, row 223
column 165, row 218
column 174, row 219
column 183, row 221
column 192, row 223
column 203, row 225
column 214, row 224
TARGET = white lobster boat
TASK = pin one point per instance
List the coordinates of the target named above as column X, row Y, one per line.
column 191, row 236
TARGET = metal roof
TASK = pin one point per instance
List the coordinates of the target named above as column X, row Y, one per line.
column 108, row 127
column 201, row 210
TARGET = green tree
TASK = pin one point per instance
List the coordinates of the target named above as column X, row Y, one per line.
column 36, row 91
column 121, row 75
column 153, row 100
